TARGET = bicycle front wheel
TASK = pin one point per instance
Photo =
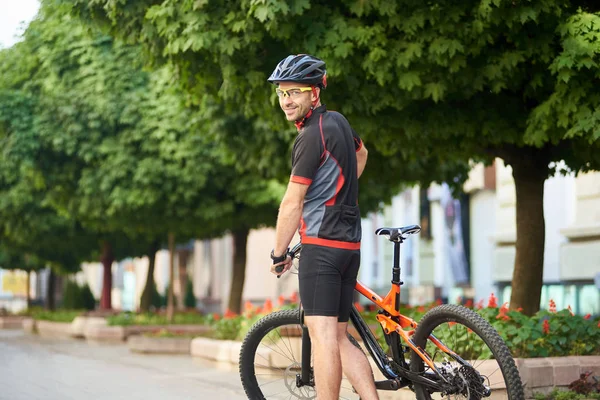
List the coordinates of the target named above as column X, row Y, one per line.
column 270, row 360
column 488, row 365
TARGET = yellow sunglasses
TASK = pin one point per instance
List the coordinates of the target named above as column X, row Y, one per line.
column 292, row 92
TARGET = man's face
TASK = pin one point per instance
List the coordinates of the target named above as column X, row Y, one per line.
column 297, row 104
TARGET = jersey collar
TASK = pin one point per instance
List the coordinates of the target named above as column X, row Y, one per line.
column 312, row 112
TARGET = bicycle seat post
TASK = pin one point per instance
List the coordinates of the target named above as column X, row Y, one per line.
column 396, row 269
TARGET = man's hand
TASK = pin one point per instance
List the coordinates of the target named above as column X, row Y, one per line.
column 287, row 264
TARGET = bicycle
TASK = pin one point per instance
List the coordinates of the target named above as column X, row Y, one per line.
column 410, row 361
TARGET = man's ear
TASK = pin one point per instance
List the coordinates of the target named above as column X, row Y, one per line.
column 315, row 94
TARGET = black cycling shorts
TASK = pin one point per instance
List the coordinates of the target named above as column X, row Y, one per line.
column 327, row 279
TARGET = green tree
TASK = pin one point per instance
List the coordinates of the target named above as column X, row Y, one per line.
column 429, row 84
column 32, row 234
column 76, row 297
column 34, row 180
column 123, row 156
column 190, row 298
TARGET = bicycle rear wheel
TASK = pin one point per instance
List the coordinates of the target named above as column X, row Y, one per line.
column 489, row 365
column 270, row 360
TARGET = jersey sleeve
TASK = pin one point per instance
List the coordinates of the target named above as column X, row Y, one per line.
column 358, row 144
column 306, row 156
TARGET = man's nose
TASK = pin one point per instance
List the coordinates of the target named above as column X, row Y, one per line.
column 286, row 100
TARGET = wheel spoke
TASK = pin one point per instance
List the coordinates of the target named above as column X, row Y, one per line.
column 271, row 360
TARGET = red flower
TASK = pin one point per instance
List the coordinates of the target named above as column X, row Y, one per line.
column 359, row 308
column 502, row 312
column 552, row 306
column 216, row 316
column 229, row 314
column 492, row 301
column 479, row 304
column 571, row 311
column 294, row 297
column 268, row 306
column 520, row 309
column 469, row 303
column 280, row 300
column 587, row 316
column 421, row 309
column 546, row 327
column 438, row 302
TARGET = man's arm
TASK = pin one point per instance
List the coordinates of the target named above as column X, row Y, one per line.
column 361, row 159
column 288, row 220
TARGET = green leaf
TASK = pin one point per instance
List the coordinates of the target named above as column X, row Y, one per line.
column 435, row 91
column 409, row 80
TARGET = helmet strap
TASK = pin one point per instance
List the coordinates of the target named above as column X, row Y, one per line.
column 300, row 123
column 314, row 92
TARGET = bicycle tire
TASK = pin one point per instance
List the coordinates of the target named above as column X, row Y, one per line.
column 454, row 314
column 251, row 343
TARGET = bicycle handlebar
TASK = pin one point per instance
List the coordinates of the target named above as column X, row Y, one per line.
column 292, row 253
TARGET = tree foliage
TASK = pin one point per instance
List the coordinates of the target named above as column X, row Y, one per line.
column 429, row 85
column 112, row 148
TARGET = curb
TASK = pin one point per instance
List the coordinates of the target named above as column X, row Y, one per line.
column 11, row 322
column 53, row 329
column 539, row 375
column 144, row 344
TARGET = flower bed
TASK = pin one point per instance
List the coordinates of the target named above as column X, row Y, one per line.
column 54, row 316
column 548, row 333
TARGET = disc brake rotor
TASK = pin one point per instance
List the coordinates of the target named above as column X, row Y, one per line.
column 290, row 382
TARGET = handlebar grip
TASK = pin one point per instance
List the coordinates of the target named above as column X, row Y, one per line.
column 279, row 269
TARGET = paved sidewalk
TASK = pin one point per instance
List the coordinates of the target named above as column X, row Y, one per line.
column 35, row 368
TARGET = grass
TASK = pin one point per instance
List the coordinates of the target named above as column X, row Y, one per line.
column 127, row 318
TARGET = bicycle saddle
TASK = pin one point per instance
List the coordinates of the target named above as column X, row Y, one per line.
column 398, row 234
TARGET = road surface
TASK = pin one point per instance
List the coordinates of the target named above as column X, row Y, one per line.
column 36, row 368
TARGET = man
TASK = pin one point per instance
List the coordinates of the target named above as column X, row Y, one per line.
column 322, row 200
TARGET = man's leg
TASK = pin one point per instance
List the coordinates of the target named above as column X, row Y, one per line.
column 327, row 363
column 356, row 366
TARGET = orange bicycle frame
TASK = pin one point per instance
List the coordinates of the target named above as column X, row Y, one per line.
column 396, row 322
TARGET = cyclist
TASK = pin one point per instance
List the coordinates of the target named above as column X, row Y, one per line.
column 322, row 201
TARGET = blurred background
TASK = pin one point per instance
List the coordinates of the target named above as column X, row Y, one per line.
column 144, row 155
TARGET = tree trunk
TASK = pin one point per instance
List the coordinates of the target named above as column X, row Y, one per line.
column 50, row 303
column 146, row 300
column 28, row 290
column 529, row 173
column 240, row 240
column 107, row 260
column 182, row 257
column 170, row 305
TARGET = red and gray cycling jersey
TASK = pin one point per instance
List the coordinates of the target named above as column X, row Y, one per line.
column 324, row 157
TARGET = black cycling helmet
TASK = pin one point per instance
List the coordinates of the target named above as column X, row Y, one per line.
column 301, row 68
